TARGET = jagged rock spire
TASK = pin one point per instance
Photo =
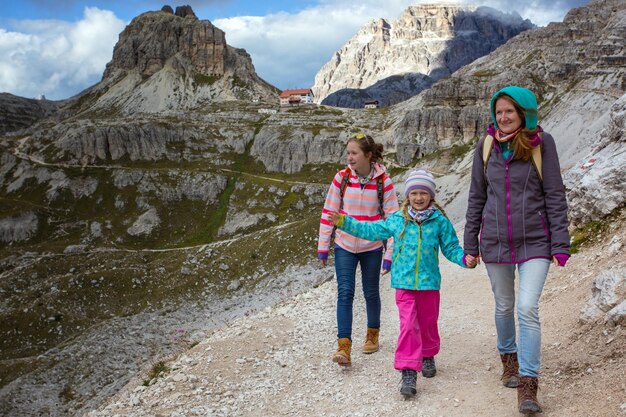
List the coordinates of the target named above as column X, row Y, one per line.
column 153, row 38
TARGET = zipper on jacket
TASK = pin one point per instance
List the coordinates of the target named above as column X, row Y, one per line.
column 480, row 235
column 508, row 211
column 360, row 204
column 419, row 251
column 544, row 224
column 399, row 252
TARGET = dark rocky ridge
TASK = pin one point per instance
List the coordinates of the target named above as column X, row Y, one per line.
column 18, row 112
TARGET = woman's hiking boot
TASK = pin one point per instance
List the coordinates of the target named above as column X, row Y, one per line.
column 510, row 367
column 429, row 369
column 527, row 395
column 342, row 355
column 408, row 386
column 371, row 341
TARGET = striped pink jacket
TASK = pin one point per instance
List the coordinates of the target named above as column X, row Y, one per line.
column 362, row 204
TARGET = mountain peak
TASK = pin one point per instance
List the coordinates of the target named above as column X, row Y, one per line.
column 153, row 38
column 181, row 11
column 170, row 60
column 426, row 42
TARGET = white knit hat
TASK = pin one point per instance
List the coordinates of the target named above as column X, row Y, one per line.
column 420, row 179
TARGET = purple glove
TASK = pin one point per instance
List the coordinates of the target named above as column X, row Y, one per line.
column 561, row 258
column 387, row 265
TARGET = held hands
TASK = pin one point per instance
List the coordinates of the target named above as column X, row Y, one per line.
column 471, row 261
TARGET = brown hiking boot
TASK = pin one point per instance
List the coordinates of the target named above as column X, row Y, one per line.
column 342, row 356
column 527, row 395
column 509, row 378
column 371, row 341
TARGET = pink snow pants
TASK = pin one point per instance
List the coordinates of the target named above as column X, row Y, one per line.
column 419, row 335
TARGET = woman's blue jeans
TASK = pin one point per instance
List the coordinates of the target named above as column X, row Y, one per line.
column 532, row 276
column 345, row 268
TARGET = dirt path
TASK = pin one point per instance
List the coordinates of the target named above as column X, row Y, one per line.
column 277, row 363
column 26, row 157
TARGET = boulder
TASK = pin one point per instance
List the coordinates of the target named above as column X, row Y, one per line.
column 608, row 290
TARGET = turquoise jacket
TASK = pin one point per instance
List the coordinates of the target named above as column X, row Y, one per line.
column 415, row 259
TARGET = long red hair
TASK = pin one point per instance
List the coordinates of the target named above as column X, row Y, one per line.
column 522, row 148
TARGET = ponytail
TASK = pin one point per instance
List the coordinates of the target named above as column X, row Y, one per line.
column 440, row 209
column 405, row 212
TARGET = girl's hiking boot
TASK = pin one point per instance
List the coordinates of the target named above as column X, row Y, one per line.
column 527, row 395
column 509, row 378
column 371, row 341
column 342, row 355
column 409, row 383
column 428, row 367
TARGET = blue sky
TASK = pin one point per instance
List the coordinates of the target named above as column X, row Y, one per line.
column 60, row 47
column 72, row 10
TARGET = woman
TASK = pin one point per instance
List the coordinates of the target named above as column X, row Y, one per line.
column 517, row 217
column 364, row 191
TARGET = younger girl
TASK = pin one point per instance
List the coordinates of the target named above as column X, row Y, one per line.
column 419, row 230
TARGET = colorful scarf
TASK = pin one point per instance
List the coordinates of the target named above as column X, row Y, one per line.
column 422, row 215
column 534, row 140
column 503, row 137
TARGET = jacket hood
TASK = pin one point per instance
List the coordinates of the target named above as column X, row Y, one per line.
column 522, row 96
column 379, row 170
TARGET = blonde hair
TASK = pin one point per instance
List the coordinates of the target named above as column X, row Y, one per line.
column 404, row 207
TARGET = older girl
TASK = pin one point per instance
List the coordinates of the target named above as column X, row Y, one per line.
column 363, row 190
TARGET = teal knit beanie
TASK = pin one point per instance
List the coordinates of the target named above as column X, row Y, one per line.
column 522, row 96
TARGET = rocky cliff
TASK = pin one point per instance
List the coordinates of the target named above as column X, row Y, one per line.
column 153, row 38
column 388, row 91
column 426, row 41
column 168, row 61
column 601, row 173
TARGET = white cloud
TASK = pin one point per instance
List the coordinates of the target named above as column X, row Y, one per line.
column 540, row 12
column 57, row 58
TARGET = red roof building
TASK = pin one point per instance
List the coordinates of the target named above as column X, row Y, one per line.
column 296, row 97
